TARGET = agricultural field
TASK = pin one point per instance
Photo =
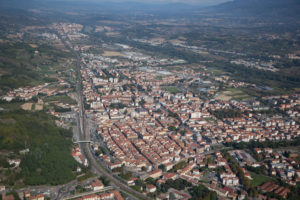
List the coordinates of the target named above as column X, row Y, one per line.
column 232, row 93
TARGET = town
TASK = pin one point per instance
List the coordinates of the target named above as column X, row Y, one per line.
column 134, row 107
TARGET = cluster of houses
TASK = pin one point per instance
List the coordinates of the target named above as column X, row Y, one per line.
column 276, row 189
column 47, row 89
column 23, row 195
column 137, row 120
column 279, row 165
column 77, row 155
column 286, row 103
column 27, row 93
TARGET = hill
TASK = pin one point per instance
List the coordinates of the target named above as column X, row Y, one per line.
column 263, row 9
column 49, row 160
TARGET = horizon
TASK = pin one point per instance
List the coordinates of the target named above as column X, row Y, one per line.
column 188, row 2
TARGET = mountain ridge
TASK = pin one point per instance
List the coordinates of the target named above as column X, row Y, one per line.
column 268, row 9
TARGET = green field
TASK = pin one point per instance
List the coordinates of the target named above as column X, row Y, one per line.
column 172, row 89
column 259, row 179
column 60, row 98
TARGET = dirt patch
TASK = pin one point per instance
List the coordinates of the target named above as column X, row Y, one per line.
column 111, row 53
column 33, row 45
column 112, row 33
column 224, row 96
column 38, row 107
column 177, row 41
column 232, row 94
column 158, row 39
column 99, row 29
column 27, row 106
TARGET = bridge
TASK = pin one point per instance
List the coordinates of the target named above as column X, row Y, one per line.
column 89, row 193
column 81, row 141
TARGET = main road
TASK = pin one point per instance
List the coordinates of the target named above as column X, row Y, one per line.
column 84, row 135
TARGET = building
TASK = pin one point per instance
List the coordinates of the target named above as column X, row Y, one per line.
column 155, row 174
column 97, row 185
column 150, row 188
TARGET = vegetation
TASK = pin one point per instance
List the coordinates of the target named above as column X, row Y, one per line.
column 88, row 174
column 259, row 179
column 126, row 175
column 3, row 162
column 201, row 192
column 60, row 98
column 104, row 180
column 23, row 67
column 173, row 90
column 178, row 166
column 178, row 184
column 117, row 105
column 226, row 113
column 260, row 77
column 257, row 170
column 271, row 144
column 61, row 109
column 162, row 167
column 49, row 160
column 171, row 128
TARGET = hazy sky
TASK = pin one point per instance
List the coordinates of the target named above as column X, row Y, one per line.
column 202, row 2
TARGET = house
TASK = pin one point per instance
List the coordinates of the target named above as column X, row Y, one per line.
column 168, row 176
column 243, row 195
column 117, row 195
column 97, row 185
column 248, row 175
column 9, row 197
column 131, row 181
column 150, row 188
column 15, row 162
column 257, row 150
column 2, row 188
column 230, row 181
column 155, row 174
column 37, row 197
column 78, row 169
column 268, row 150
column 255, row 165
column 169, row 166
column 90, row 197
column 27, row 194
column 212, row 166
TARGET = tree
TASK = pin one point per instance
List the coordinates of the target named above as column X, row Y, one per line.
column 213, row 196
column 286, row 154
column 171, row 128
column 199, row 192
column 150, row 180
column 126, row 176
column 162, row 167
column 104, row 180
column 252, row 192
column 142, row 102
column 144, row 168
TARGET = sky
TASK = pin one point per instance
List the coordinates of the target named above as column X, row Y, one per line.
column 200, row 2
